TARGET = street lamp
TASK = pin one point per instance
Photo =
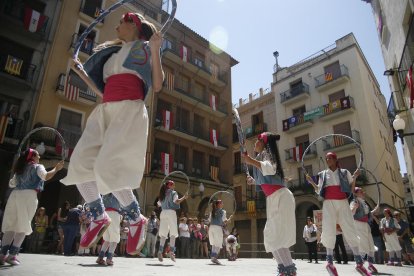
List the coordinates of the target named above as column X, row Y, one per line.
column 398, row 124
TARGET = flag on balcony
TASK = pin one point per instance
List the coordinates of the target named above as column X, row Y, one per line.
column 213, row 137
column 71, row 91
column 214, row 171
column 213, row 102
column 4, row 122
column 345, row 103
column 285, row 124
column 33, row 21
column 166, row 163
column 328, row 76
column 297, row 152
column 13, row 65
column 169, row 81
column 184, row 53
column 338, row 141
column 167, row 119
column 214, row 70
column 147, row 162
column 410, row 85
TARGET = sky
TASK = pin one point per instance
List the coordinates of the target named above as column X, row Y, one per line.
column 250, row 31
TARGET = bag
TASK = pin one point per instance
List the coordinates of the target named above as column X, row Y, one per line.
column 154, row 231
column 313, row 234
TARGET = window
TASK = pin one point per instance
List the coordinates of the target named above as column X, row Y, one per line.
column 296, row 87
column 348, row 163
column 198, row 163
column 70, row 127
column 91, row 7
column 343, row 128
column 198, row 128
column 237, row 163
column 332, row 71
column 161, row 106
column 183, row 83
column 336, row 96
column 180, row 158
column 199, row 91
column 199, row 60
column 182, row 121
column 299, row 111
column 88, row 43
column 214, row 69
column 257, row 123
column 166, row 44
column 161, row 146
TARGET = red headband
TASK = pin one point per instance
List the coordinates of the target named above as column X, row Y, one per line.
column 136, row 20
column 169, row 183
column 332, row 154
column 30, row 155
column 263, row 136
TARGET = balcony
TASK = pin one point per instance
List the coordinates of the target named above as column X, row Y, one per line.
column 14, row 132
column 255, row 130
column 338, row 108
column 296, row 123
column 339, row 143
column 90, row 10
column 295, row 154
column 16, row 71
column 203, row 103
column 199, row 69
column 295, row 94
column 13, row 16
column 328, row 80
column 87, row 45
column 72, row 92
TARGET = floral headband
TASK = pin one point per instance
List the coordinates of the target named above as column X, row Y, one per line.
column 263, row 137
column 132, row 17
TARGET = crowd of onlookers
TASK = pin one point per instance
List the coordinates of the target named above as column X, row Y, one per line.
column 61, row 233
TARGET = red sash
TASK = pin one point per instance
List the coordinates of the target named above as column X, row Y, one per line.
column 269, row 189
column 122, row 87
column 334, row 192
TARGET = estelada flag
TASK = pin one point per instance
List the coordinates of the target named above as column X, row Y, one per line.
column 410, row 85
column 33, row 21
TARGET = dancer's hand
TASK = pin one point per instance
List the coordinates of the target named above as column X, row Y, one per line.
column 250, row 180
column 59, row 165
column 356, row 174
column 155, row 41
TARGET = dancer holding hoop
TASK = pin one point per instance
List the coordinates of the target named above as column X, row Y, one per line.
column 280, row 203
column 169, row 202
column 335, row 186
column 28, row 180
column 105, row 160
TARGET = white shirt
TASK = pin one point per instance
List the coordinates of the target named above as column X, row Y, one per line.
column 184, row 230
column 114, row 66
column 332, row 178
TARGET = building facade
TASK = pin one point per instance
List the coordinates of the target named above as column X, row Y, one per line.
column 395, row 26
column 333, row 91
column 27, row 29
column 188, row 118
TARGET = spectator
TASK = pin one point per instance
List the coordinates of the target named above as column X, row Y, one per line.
column 378, row 241
column 83, row 225
column 70, row 229
column 124, row 237
column 62, row 214
column 38, row 236
column 152, row 231
column 204, row 239
column 404, row 237
column 184, row 234
column 389, row 227
column 310, row 232
column 339, row 244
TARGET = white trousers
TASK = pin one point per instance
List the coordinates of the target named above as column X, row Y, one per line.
column 111, row 150
column 338, row 212
column 366, row 242
column 215, row 236
column 168, row 223
column 391, row 242
column 20, row 210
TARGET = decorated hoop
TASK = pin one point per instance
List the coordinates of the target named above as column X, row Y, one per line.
column 213, row 196
column 357, row 145
column 174, row 173
column 24, row 140
column 104, row 13
column 376, row 182
column 241, row 136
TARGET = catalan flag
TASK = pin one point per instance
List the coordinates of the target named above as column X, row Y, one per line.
column 3, row 127
column 169, row 81
column 214, row 171
column 13, row 65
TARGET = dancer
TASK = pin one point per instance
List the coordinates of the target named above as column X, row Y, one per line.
column 231, row 247
column 218, row 220
column 112, row 235
column 169, row 202
column 362, row 216
column 28, row 180
column 280, row 203
column 310, row 234
column 335, row 186
column 389, row 226
column 124, row 70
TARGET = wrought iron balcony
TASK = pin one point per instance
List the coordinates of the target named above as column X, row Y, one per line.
column 255, row 130
column 17, row 67
column 295, row 92
column 87, row 45
column 339, row 142
column 84, row 94
column 332, row 77
column 295, row 154
column 295, row 123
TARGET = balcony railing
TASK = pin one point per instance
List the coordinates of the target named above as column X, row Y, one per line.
column 294, row 92
column 332, row 142
column 255, row 130
column 87, row 45
column 15, row 129
column 329, row 76
column 84, row 92
column 293, row 122
column 296, row 153
column 17, row 10
column 337, row 106
column 17, row 67
column 91, row 8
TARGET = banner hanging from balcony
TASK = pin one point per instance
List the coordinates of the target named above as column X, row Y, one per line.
column 410, row 85
column 213, row 102
column 184, row 53
column 297, row 152
column 169, row 81
column 309, row 115
column 166, row 163
column 71, row 91
column 214, row 171
column 13, row 65
column 4, row 122
column 213, row 137
column 167, row 119
column 33, row 20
